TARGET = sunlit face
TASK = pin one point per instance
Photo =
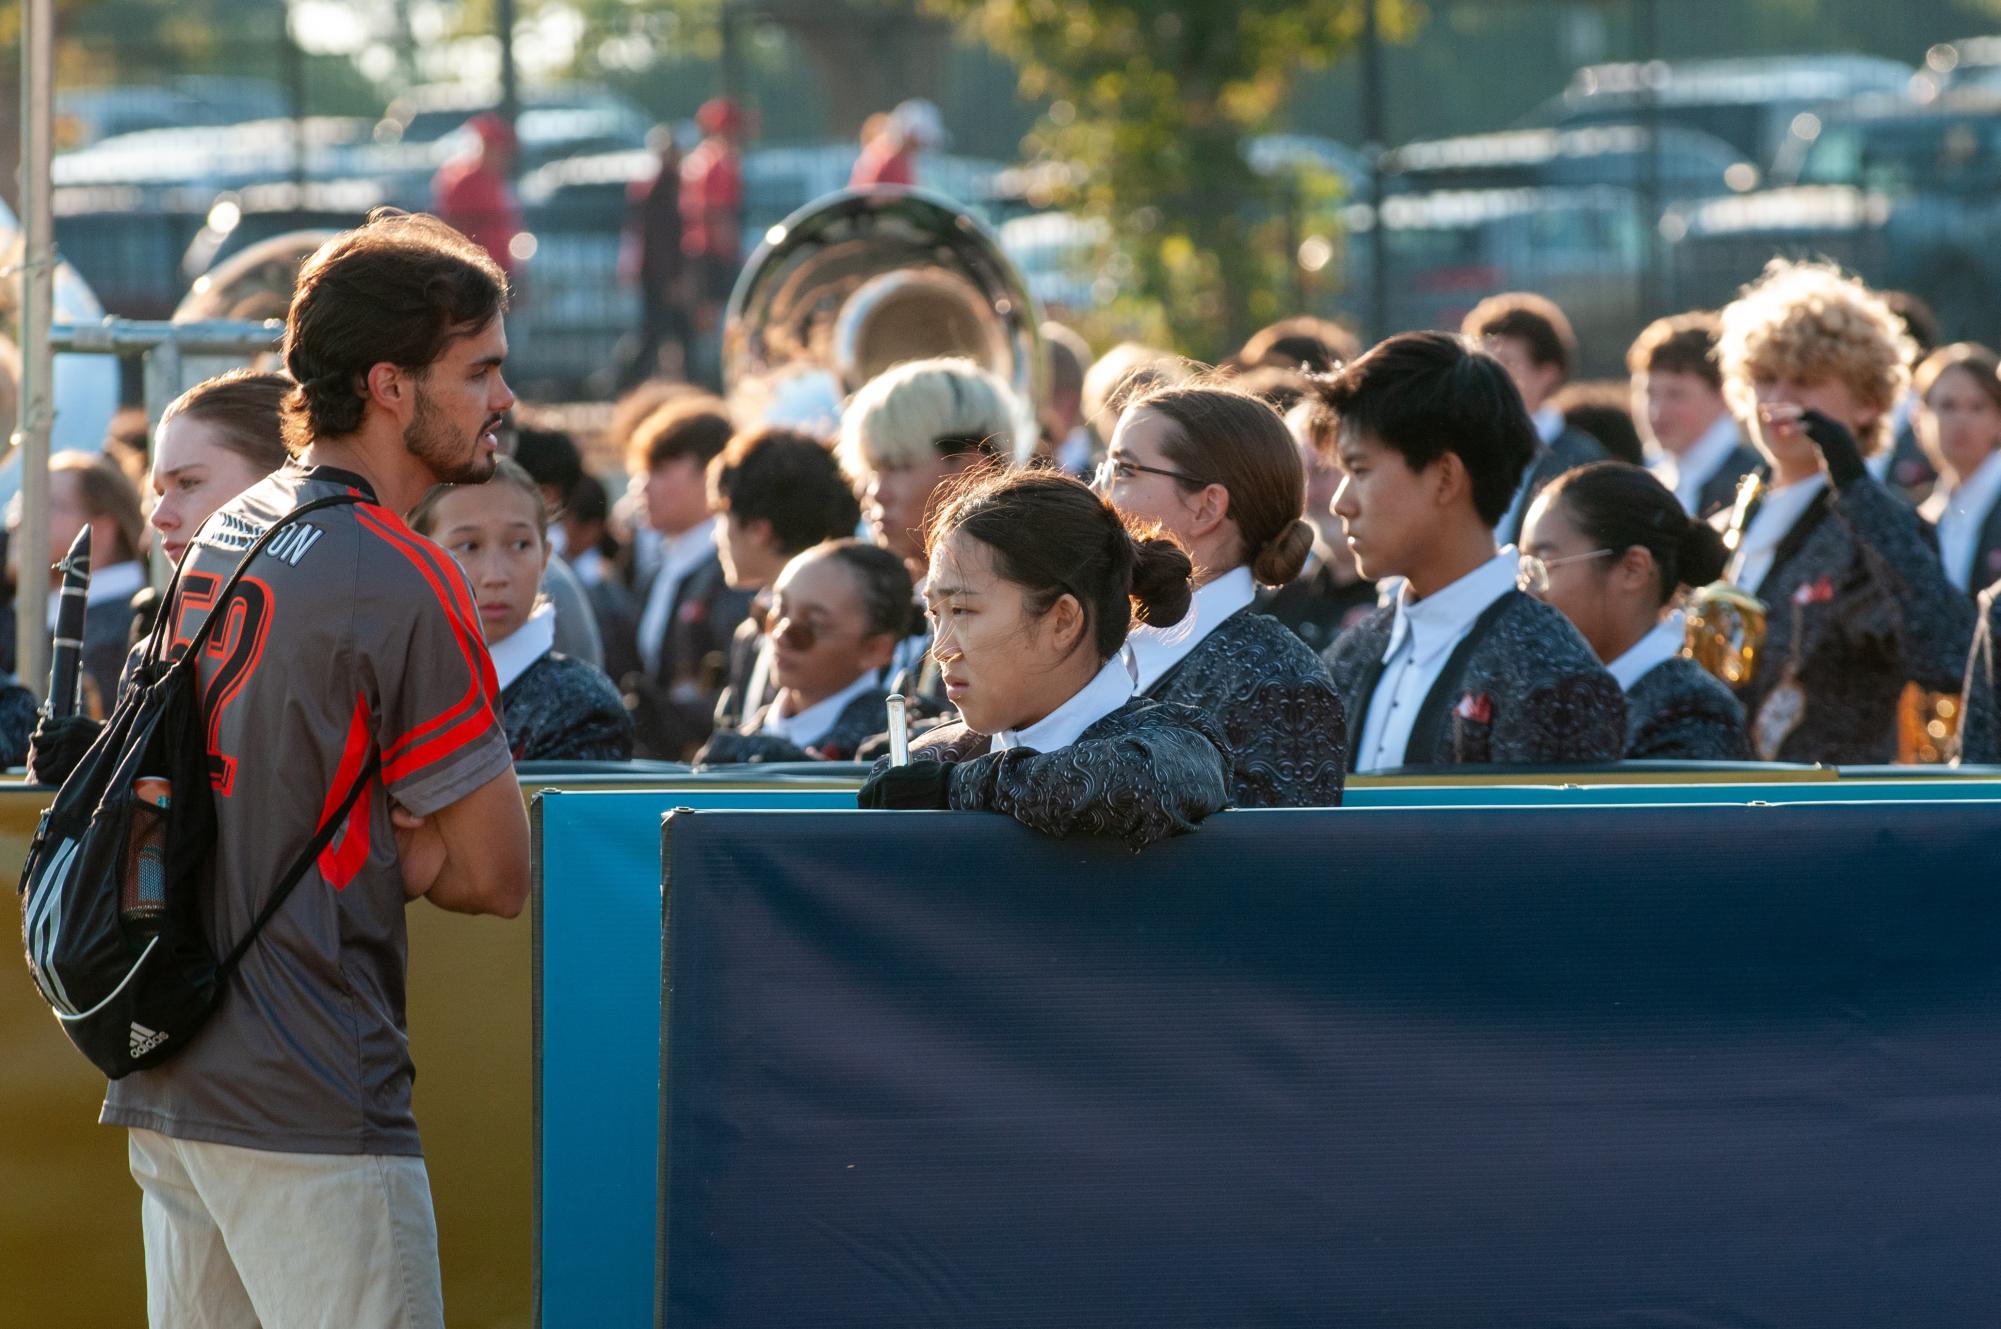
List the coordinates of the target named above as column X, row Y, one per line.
column 1533, row 379
column 1388, row 510
column 1678, row 408
column 1323, row 482
column 896, row 495
column 1003, row 667
column 1578, row 580
column 1786, row 446
column 461, row 403
column 493, row 532
column 677, row 495
column 1134, row 462
column 820, row 642
column 194, row 473
column 1958, row 423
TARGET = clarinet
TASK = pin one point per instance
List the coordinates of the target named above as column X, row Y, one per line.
column 66, row 657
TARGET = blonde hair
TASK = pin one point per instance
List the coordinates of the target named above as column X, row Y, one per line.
column 1811, row 321
column 931, row 408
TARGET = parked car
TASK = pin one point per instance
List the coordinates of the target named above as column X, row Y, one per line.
column 1749, row 103
column 1906, row 194
column 1448, row 250
column 1690, row 163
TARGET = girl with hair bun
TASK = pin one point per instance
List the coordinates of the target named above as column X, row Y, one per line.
column 1033, row 584
column 1217, row 468
column 1612, row 547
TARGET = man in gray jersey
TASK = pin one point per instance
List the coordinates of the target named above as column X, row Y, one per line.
column 283, row 1183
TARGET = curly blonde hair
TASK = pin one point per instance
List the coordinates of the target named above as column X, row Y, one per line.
column 1811, row 321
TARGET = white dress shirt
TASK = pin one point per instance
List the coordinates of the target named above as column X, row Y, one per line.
column 1959, row 512
column 1421, row 638
column 1661, row 644
column 679, row 555
column 1111, row 688
column 1693, row 469
column 535, row 638
column 1548, row 424
column 811, row 725
column 1776, row 516
column 1150, row 652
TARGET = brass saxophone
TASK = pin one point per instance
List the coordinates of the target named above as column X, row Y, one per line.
column 1726, row 623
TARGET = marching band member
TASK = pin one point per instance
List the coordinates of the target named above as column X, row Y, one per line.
column 908, row 431
column 1033, row 584
column 554, row 707
column 1462, row 666
column 837, row 614
column 1216, row 469
column 1678, row 399
column 776, row 493
column 1959, row 427
column 1612, row 547
column 1860, row 604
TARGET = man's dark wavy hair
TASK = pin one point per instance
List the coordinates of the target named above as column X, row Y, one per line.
column 398, row 289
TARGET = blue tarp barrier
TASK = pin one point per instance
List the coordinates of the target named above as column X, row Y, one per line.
column 597, row 1044
column 1689, row 1066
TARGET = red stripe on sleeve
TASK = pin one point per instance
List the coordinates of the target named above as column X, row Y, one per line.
column 347, row 853
column 473, row 714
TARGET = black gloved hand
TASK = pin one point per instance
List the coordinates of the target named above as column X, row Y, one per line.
column 1838, row 448
column 58, row 745
column 921, row 784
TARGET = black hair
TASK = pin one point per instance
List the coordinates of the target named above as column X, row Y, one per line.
column 885, row 584
column 551, row 456
column 1051, row 535
column 1423, row 394
column 1618, row 506
column 789, row 479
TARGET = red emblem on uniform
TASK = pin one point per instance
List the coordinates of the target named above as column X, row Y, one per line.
column 694, row 611
column 1479, row 708
column 1814, row 592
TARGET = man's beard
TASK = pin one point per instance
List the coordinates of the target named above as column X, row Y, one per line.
column 452, row 459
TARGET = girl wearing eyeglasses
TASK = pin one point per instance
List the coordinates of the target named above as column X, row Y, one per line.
column 1216, row 468
column 837, row 613
column 1612, row 547
column 1033, row 584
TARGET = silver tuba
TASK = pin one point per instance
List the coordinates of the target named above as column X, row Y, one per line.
column 865, row 279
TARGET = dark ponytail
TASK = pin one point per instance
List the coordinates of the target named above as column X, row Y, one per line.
column 1618, row 506
column 1051, row 535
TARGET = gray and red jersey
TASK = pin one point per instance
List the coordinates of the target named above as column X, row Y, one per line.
column 350, row 635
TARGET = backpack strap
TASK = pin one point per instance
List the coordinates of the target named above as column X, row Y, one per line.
column 304, row 862
column 156, row 642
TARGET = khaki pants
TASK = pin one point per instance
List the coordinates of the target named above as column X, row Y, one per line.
column 238, row 1238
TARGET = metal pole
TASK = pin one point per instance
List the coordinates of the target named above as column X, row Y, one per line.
column 38, row 263
column 1646, row 20
column 1373, row 147
column 510, row 86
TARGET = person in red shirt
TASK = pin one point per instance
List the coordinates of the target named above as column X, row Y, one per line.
column 712, row 201
column 471, row 193
column 890, row 157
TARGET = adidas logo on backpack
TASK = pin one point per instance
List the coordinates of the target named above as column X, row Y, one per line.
column 144, row 1040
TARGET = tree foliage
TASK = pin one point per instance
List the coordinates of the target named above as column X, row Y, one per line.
column 1150, row 104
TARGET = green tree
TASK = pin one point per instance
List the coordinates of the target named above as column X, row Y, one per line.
column 1150, row 103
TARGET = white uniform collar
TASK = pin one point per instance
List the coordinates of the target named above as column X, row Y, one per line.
column 1776, row 516
column 811, row 725
column 1661, row 644
column 1150, row 652
column 1549, row 423
column 1444, row 616
column 515, row 653
column 1689, row 472
column 1109, row 689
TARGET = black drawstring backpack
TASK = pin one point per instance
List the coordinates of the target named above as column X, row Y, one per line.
column 116, row 887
